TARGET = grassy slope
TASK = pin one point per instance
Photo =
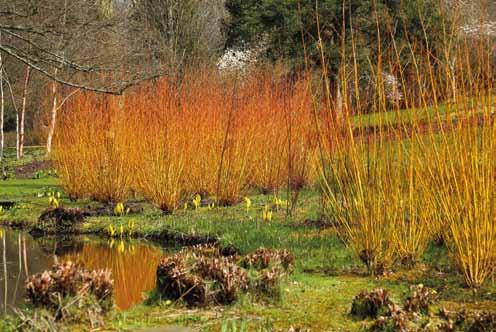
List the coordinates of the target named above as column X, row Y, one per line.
column 317, row 296
column 415, row 115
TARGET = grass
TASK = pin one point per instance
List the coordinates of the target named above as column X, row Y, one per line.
column 392, row 118
column 309, row 301
column 31, row 154
column 410, row 115
column 317, row 296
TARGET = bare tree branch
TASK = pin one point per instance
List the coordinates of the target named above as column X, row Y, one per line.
column 116, row 91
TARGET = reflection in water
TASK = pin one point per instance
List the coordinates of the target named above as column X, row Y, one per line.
column 132, row 264
column 133, row 267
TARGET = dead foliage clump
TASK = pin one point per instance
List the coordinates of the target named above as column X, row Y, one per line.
column 200, row 277
column 396, row 321
column 226, row 278
column 268, row 282
column 420, row 299
column 416, row 313
column 176, row 282
column 68, row 289
column 214, row 250
column 466, row 321
column 208, row 274
column 372, row 304
column 264, row 258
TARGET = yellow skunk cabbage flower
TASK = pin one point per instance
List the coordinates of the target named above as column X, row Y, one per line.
column 279, row 202
column 130, row 226
column 247, row 204
column 1, row 209
column 211, row 206
column 53, row 202
column 119, row 209
column 267, row 213
column 121, row 229
column 197, row 201
column 185, row 207
column 111, row 231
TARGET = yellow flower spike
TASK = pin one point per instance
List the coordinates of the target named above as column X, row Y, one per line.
column 185, row 206
column 197, row 201
column 53, row 202
column 58, row 194
column 1, row 209
column 247, row 203
column 130, row 226
column 267, row 213
column 121, row 230
column 119, row 209
column 211, row 206
column 111, row 243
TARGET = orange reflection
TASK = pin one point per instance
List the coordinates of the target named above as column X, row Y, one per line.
column 133, row 267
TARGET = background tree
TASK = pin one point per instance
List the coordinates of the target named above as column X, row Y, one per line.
column 55, row 48
column 366, row 28
column 179, row 32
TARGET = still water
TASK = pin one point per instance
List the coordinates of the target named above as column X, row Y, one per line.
column 133, row 264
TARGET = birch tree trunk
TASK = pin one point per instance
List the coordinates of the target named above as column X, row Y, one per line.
column 53, row 118
column 23, row 112
column 18, row 156
column 2, row 109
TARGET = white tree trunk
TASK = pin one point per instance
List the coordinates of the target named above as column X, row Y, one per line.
column 23, row 112
column 18, row 156
column 53, row 119
column 2, row 109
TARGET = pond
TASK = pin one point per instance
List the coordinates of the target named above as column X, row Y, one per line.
column 133, row 263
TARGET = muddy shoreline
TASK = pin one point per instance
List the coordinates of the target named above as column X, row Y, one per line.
column 162, row 237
